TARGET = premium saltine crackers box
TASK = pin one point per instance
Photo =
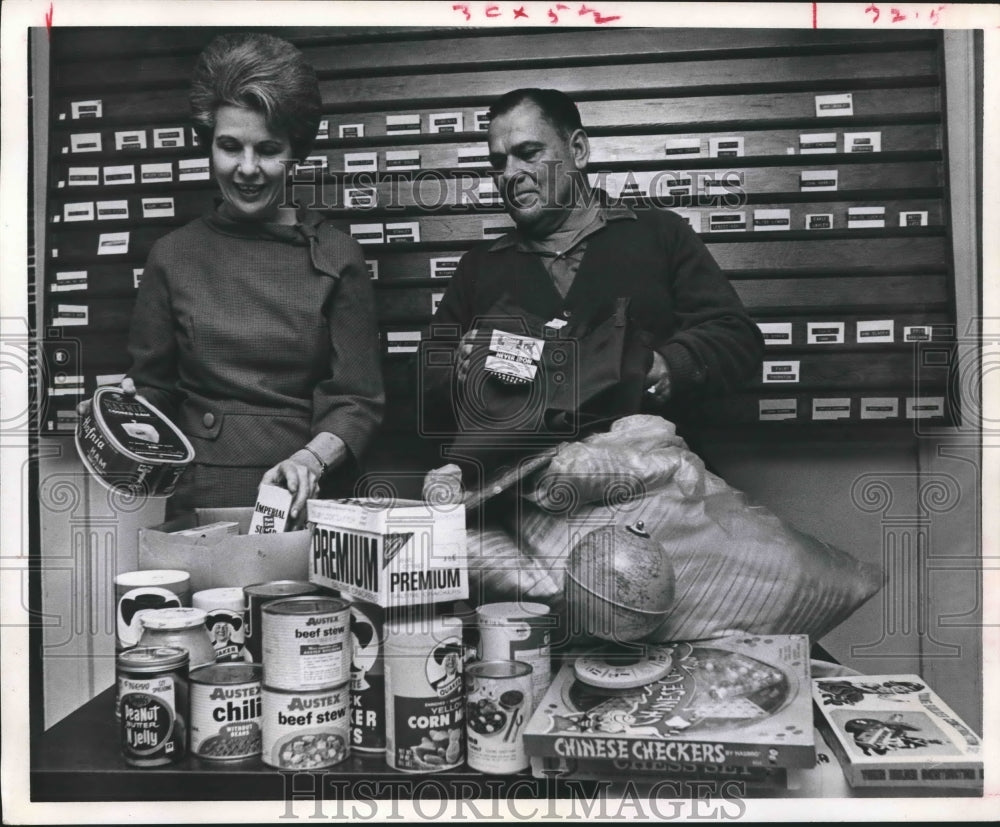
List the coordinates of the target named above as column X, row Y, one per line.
column 894, row 731
column 398, row 553
column 741, row 701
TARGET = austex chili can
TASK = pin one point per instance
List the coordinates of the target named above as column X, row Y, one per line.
column 425, row 727
column 367, row 677
column 260, row 594
column 153, row 704
column 305, row 730
column 226, row 711
column 306, row 643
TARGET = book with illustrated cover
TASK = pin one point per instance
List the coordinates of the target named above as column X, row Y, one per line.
column 741, row 701
column 895, row 731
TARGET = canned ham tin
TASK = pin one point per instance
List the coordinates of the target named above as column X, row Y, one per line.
column 499, row 706
column 305, row 730
column 425, row 698
column 519, row 631
column 260, row 594
column 226, row 711
column 128, row 445
column 153, row 704
column 306, row 643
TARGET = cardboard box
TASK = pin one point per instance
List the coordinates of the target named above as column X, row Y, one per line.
column 218, row 560
column 400, row 553
column 895, row 731
column 223, row 527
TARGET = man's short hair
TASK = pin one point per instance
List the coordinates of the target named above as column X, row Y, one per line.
column 556, row 106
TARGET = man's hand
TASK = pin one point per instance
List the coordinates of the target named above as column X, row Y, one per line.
column 465, row 349
column 658, row 379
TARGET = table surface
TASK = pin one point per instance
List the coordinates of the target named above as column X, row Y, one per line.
column 79, row 759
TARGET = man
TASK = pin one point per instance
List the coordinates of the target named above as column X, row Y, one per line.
column 574, row 254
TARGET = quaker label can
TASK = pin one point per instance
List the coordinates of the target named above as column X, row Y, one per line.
column 425, row 697
column 225, row 621
column 367, row 678
column 305, row 730
column 306, row 643
column 153, row 704
column 226, row 711
column 499, row 706
column 519, row 631
column 260, row 594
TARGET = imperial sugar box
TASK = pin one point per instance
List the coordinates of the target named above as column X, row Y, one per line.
column 397, row 554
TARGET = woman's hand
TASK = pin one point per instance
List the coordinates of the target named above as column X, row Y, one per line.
column 127, row 386
column 300, row 475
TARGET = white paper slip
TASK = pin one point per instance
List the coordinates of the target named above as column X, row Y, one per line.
column 156, row 173
column 862, row 142
column 69, row 280
column 828, row 106
column 781, row 372
column 674, row 184
column 446, row 122
column 137, row 277
column 112, row 210
column 473, row 156
column 913, row 218
column 400, row 231
column 495, row 229
column 193, row 169
column 351, row 130
column 683, row 148
column 722, row 184
column 372, row 265
column 195, row 140
column 111, row 244
column 818, row 180
column 63, row 385
column 360, row 161
column 819, row 221
column 70, row 315
column 123, row 174
column 402, row 341
column 774, row 409
column 402, row 159
column 83, row 176
column 879, row 407
column 435, row 301
column 729, row 147
column 85, row 142
column 482, row 117
column 368, row 233
column 924, row 407
column 79, row 211
column 158, row 207
column 357, row 198
column 86, row 109
column 487, row 193
column 768, row 220
column 882, row 330
column 818, row 143
column 313, row 162
column 693, row 218
column 168, row 138
column 837, row 408
column 917, row 333
column 323, row 130
column 130, row 139
column 444, row 267
column 402, row 124
column 727, row 222
column 776, row 333
column 825, row 333
column 865, row 218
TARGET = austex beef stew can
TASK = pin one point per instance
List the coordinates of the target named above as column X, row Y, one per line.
column 153, row 704
column 226, row 711
column 306, row 730
column 425, row 727
column 367, row 677
column 306, row 642
column 130, row 446
column 260, row 594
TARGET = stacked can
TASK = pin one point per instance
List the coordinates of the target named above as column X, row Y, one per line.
column 367, row 677
column 226, row 622
column 425, row 696
column 519, row 632
column 226, row 711
column 153, row 706
column 260, row 594
column 306, row 649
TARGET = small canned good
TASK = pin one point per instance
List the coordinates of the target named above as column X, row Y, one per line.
column 499, row 705
column 184, row 627
column 260, row 594
column 522, row 632
column 367, row 678
column 306, row 642
column 305, row 730
column 226, row 711
column 425, row 697
column 153, row 704
column 225, row 622
column 143, row 590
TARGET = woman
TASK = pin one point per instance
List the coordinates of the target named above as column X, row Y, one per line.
column 254, row 326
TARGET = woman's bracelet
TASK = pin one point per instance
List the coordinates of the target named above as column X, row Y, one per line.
column 322, row 465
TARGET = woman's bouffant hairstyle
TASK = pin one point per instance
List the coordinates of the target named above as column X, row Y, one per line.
column 259, row 72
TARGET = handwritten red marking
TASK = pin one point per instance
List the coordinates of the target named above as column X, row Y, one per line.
column 897, row 15
column 520, row 13
column 598, row 17
column 815, row 10
column 462, row 8
column 48, row 21
column 492, row 11
column 553, row 17
column 873, row 8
